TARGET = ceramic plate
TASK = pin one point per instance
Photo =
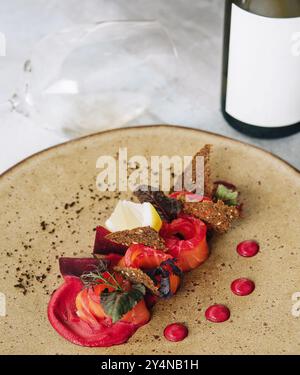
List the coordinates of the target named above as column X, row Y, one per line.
column 50, row 205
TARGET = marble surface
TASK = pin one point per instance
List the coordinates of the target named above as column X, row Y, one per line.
column 195, row 27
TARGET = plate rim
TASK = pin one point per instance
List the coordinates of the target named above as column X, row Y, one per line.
column 75, row 140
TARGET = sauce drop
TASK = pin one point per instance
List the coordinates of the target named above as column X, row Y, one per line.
column 248, row 248
column 217, row 313
column 242, row 287
column 176, row 332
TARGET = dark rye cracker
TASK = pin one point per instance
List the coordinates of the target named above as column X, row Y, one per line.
column 142, row 235
column 217, row 215
column 204, row 152
column 137, row 276
column 208, row 184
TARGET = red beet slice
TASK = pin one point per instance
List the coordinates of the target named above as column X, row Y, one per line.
column 103, row 245
column 78, row 266
column 63, row 318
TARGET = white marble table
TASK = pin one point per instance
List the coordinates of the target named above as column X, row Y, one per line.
column 195, row 26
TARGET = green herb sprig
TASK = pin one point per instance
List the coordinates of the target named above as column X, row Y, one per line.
column 118, row 302
column 92, row 278
column 227, row 195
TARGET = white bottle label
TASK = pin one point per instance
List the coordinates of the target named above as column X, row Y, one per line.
column 263, row 86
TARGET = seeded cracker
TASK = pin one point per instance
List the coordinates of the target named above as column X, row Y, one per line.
column 218, row 215
column 135, row 275
column 208, row 185
column 142, row 235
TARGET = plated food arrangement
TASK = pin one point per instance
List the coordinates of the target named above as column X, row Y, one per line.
column 150, row 245
column 50, row 209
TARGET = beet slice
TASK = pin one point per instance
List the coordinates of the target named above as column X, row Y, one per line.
column 103, row 245
column 62, row 316
column 78, row 266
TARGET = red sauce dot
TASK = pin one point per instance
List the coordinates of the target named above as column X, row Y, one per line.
column 248, row 248
column 242, row 286
column 176, row 332
column 217, row 313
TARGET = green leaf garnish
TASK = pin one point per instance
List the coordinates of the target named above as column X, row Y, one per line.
column 117, row 303
column 228, row 196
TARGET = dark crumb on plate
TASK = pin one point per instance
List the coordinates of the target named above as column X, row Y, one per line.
column 44, row 225
column 22, row 287
column 67, row 205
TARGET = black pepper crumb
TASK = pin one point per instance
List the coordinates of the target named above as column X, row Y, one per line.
column 44, row 225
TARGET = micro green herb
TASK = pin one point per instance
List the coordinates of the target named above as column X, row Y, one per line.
column 118, row 302
column 228, row 196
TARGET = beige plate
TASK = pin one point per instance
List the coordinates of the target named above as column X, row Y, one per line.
column 39, row 223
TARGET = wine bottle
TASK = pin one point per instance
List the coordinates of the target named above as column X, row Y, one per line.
column 261, row 67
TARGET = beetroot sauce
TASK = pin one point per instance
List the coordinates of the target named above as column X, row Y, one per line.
column 242, row 286
column 217, row 313
column 176, row 332
column 248, row 248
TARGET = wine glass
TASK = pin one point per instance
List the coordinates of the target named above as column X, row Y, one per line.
column 97, row 76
